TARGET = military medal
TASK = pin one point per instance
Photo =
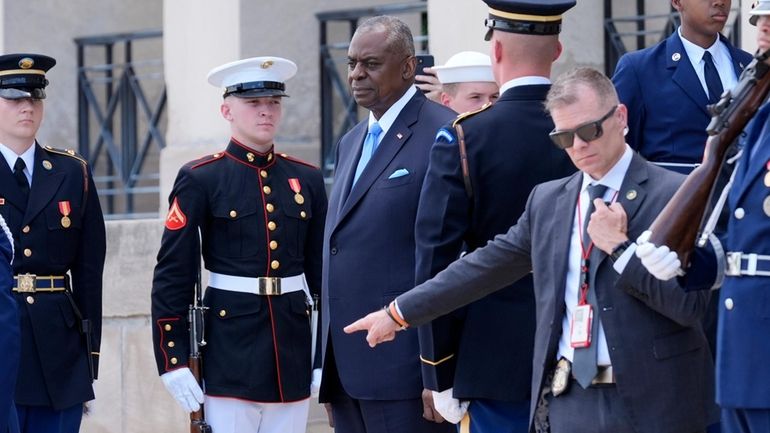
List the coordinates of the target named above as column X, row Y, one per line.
column 296, row 187
column 65, row 209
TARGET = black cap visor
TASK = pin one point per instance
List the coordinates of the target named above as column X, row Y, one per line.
column 35, row 93
column 256, row 89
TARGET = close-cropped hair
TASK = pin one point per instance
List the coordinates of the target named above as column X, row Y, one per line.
column 399, row 39
column 564, row 88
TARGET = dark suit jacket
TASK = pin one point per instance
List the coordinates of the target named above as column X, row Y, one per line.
column 368, row 256
column 9, row 336
column 509, row 152
column 54, row 361
column 659, row 353
column 667, row 114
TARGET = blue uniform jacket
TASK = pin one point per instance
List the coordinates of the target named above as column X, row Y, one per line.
column 369, row 253
column 485, row 349
column 260, row 215
column 54, row 361
column 667, row 114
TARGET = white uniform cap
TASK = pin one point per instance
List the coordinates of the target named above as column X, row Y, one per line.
column 464, row 67
column 761, row 7
column 253, row 78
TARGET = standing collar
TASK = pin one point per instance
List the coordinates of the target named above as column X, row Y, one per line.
column 28, row 157
column 242, row 153
column 614, row 178
column 387, row 119
column 524, row 81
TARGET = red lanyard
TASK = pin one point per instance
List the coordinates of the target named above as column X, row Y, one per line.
column 585, row 253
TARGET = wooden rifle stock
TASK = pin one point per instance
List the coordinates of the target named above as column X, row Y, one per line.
column 198, row 422
column 680, row 222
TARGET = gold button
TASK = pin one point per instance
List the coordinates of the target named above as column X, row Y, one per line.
column 269, row 207
column 271, row 226
column 303, row 214
column 222, row 313
column 233, row 214
column 25, row 229
column 171, row 344
column 167, row 327
column 273, row 245
column 174, row 361
column 266, row 189
column 27, row 252
column 30, row 300
column 270, row 157
column 263, row 173
column 216, row 155
column 250, row 157
column 275, row 264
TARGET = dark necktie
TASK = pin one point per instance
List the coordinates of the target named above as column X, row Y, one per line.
column 713, row 83
column 21, row 179
column 584, row 367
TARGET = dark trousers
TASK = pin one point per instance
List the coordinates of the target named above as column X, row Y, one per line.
column 745, row 420
column 495, row 416
column 43, row 419
column 383, row 416
column 596, row 409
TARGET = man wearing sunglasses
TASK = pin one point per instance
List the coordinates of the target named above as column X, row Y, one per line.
column 616, row 350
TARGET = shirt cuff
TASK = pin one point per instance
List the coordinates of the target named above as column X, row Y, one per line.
column 622, row 261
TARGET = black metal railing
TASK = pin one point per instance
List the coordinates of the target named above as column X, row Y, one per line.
column 624, row 34
column 121, row 105
column 339, row 112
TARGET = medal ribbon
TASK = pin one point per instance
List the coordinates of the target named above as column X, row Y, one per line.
column 294, row 185
column 64, row 208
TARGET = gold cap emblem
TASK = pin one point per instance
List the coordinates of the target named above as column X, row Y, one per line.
column 266, row 64
column 26, row 63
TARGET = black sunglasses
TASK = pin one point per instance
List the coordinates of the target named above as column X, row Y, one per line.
column 587, row 132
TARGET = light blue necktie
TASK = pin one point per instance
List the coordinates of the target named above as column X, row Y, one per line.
column 370, row 145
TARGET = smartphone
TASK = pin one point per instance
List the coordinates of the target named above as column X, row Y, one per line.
column 423, row 61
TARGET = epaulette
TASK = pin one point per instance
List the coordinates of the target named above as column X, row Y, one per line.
column 207, row 159
column 67, row 152
column 468, row 114
column 298, row 161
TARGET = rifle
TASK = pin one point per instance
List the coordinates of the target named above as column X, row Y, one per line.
column 674, row 225
column 195, row 314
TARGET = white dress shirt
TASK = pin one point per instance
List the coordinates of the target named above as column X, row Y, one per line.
column 387, row 119
column 524, row 81
column 722, row 61
column 613, row 181
column 28, row 157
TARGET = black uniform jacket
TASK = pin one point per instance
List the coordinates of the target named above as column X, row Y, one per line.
column 259, row 215
column 54, row 362
column 509, row 152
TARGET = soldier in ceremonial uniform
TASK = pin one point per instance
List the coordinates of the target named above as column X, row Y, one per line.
column 259, row 215
column 508, row 152
column 48, row 199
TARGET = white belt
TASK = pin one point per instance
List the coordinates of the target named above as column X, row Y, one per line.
column 748, row 264
column 272, row 286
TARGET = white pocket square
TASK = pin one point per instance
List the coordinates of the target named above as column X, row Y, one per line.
column 399, row 173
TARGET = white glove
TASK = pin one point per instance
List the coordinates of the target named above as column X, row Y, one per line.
column 181, row 384
column 660, row 261
column 452, row 409
column 315, row 384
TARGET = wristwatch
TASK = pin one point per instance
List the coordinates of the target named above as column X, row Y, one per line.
column 619, row 250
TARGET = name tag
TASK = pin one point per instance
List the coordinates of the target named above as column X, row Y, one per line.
column 580, row 328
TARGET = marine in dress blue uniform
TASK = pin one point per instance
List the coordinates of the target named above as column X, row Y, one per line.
column 260, row 216
column 507, row 152
column 10, row 337
column 48, row 199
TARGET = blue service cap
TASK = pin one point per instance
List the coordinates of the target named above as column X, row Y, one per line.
column 531, row 17
column 23, row 75
column 256, row 77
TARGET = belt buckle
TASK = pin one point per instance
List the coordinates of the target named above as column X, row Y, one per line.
column 25, row 283
column 269, row 286
column 733, row 264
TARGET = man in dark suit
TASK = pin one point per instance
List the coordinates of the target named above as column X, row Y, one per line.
column 9, row 337
column 48, row 199
column 508, row 152
column 743, row 382
column 369, row 238
column 668, row 86
column 642, row 364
